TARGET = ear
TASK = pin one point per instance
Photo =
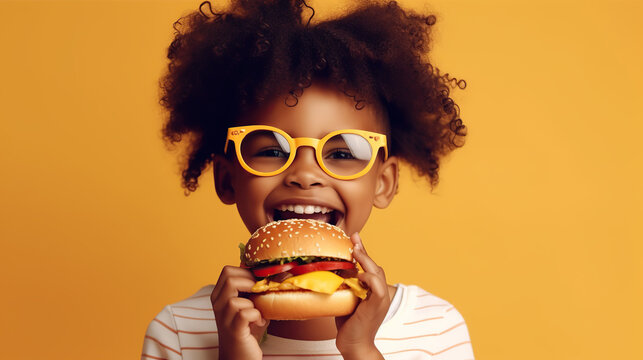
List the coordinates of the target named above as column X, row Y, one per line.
column 222, row 168
column 386, row 186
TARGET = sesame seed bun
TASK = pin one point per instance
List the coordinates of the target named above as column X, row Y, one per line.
column 297, row 237
column 293, row 238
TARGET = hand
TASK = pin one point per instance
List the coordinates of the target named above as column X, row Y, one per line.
column 239, row 323
column 356, row 332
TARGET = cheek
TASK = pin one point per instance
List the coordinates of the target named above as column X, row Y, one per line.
column 358, row 198
column 254, row 190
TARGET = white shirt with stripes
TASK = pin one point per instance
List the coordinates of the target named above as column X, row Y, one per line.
column 418, row 326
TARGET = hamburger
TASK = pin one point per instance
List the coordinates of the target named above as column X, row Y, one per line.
column 303, row 269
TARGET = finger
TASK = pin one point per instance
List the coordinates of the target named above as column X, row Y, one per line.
column 377, row 286
column 230, row 289
column 231, row 308
column 244, row 318
column 359, row 253
column 257, row 330
column 229, row 272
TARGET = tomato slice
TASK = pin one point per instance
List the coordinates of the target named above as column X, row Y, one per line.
column 321, row 266
column 273, row 269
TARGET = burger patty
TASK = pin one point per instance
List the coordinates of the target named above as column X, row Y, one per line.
column 344, row 273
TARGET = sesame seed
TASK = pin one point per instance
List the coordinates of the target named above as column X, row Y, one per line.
column 271, row 238
column 267, row 245
column 296, row 232
column 279, row 243
column 317, row 244
column 249, row 247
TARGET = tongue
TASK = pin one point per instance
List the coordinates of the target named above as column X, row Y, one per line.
column 285, row 215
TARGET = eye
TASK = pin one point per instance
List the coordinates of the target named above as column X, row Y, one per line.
column 271, row 152
column 340, row 154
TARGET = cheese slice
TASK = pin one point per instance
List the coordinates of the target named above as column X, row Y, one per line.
column 319, row 281
column 357, row 289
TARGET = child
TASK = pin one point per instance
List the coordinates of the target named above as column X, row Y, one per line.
column 265, row 63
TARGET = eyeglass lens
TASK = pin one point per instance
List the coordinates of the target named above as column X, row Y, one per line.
column 343, row 154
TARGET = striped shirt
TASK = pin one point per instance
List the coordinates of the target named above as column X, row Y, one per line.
column 418, row 326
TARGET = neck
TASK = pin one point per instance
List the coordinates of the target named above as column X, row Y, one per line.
column 313, row 329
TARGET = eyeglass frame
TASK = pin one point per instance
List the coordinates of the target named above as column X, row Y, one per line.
column 238, row 133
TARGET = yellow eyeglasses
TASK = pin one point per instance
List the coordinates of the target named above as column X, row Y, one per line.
column 343, row 154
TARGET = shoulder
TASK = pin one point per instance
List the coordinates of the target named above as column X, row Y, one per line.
column 426, row 303
column 182, row 329
column 426, row 323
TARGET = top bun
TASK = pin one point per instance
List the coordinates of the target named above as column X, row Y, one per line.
column 297, row 237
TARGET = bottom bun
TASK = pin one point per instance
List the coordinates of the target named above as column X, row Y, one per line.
column 304, row 304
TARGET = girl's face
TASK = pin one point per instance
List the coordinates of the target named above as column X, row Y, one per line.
column 262, row 199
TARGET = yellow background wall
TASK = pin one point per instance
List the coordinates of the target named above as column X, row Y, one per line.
column 534, row 232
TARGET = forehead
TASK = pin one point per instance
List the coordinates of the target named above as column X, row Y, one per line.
column 319, row 111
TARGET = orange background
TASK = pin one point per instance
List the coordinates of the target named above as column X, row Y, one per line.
column 534, row 232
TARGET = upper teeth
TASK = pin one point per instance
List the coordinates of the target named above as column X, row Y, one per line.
column 305, row 209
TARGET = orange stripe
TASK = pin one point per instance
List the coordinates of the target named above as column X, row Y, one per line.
column 452, row 346
column 419, row 336
column 200, row 348
column 163, row 345
column 423, row 295
column 428, row 306
column 449, row 309
column 197, row 332
column 192, row 308
column 415, row 322
column 153, row 357
column 166, row 325
column 185, row 331
column 426, row 351
column 192, row 318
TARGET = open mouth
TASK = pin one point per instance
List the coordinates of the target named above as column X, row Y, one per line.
column 319, row 213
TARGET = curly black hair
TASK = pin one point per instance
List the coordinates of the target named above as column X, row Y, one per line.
column 224, row 63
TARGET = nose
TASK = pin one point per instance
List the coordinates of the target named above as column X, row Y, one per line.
column 304, row 172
